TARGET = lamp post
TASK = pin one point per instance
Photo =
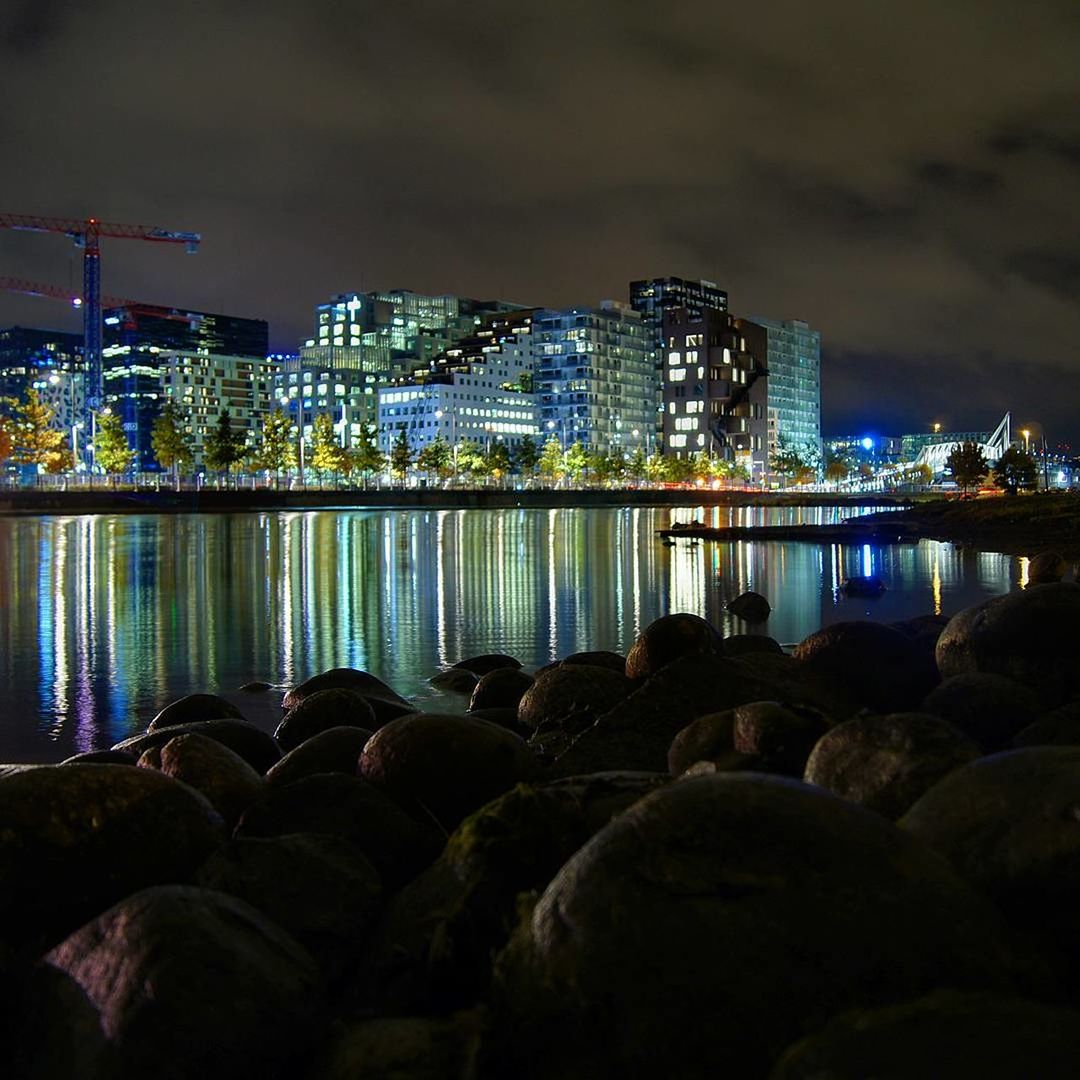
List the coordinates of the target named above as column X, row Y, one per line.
column 1027, row 435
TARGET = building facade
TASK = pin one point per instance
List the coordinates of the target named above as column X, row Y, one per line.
column 793, row 360
column 715, row 388
column 29, row 357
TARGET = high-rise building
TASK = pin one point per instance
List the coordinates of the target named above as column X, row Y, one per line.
column 595, row 377
column 714, row 387
column 793, row 360
column 28, row 355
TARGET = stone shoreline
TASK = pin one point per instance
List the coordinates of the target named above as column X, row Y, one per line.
column 703, row 858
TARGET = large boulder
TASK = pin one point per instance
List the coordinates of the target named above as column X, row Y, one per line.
column 257, row 748
column 1009, row 824
column 751, row 607
column 397, row 845
column 705, row 739
column 386, row 703
column 225, row 778
column 1058, row 727
column 717, row 920
column 335, row 750
column 779, row 736
column 599, row 658
column 500, row 689
column 445, row 766
column 946, row 1034
column 876, row 664
column 194, row 983
column 989, row 709
column 571, row 697
column 481, row 665
column 742, row 644
column 319, row 888
column 454, row 680
column 1032, row 637
column 886, row 763
column 321, row 711
column 669, row 638
column 1046, row 568
column 194, row 708
column 76, row 838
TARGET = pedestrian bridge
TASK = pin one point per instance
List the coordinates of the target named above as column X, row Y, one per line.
column 935, row 456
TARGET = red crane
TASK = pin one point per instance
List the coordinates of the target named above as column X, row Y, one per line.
column 87, row 235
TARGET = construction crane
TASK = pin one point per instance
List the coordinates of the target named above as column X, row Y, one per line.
column 88, row 235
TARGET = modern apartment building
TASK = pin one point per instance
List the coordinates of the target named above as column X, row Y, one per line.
column 793, row 360
column 29, row 356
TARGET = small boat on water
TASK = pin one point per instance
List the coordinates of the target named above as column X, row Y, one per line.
column 869, row 585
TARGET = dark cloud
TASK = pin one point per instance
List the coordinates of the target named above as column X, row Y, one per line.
column 905, row 180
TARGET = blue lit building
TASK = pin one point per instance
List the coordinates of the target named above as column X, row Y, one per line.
column 793, row 360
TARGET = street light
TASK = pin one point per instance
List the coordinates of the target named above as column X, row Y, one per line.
column 1027, row 434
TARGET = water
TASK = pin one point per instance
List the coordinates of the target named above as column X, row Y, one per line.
column 105, row 619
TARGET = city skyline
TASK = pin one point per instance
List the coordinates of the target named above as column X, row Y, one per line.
column 906, row 188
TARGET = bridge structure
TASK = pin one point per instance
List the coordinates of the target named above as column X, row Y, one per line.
column 937, row 455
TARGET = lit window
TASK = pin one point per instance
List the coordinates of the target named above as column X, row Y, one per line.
column 674, row 358
column 678, row 375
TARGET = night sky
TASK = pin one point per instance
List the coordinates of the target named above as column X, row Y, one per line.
column 904, row 177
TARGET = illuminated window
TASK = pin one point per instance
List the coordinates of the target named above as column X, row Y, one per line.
column 674, row 358
column 678, row 375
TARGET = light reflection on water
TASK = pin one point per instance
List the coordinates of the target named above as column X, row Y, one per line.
column 104, row 619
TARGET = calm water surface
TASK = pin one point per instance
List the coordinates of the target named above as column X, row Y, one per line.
column 105, row 619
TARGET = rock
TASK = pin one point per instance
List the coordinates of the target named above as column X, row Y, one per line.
column 984, row 1035
column 336, row 750
column 703, row 739
column 455, row 680
column 446, row 766
column 257, row 748
column 481, row 665
column 886, row 763
column 1059, row 727
column 318, row 888
column 195, row 708
column 1032, row 637
column 435, row 945
column 869, row 585
column 500, row 689
column 398, row 846
column 750, row 606
column 779, row 736
column 716, row 920
column 989, row 709
column 571, row 698
column 874, row 663
column 386, row 703
column 321, row 711
column 255, row 687
column 1009, row 824
column 637, row 733
column 742, row 644
column 602, row 658
column 101, row 757
column 191, row 982
column 1046, row 567
column 669, row 638
column 77, row 838
column 225, row 778
column 506, row 718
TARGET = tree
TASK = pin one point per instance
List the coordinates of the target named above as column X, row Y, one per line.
column 526, row 456
column 471, row 460
column 497, row 460
column 436, row 458
column 367, row 458
column 968, row 465
column 785, row 460
column 552, row 461
column 637, row 466
column 327, row 454
column 401, row 456
column 7, row 443
column 577, row 458
column 169, row 439
column 224, row 447
column 111, row 450
column 277, row 450
column 34, row 440
column 1015, row 470
column 836, row 468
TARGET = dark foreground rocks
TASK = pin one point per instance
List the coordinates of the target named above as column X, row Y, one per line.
column 707, row 858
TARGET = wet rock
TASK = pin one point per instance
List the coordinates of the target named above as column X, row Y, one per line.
column 318, row 888
column 321, row 711
column 255, row 687
column 397, row 845
column 742, row 644
column 145, row 963
column 446, row 766
column 703, row 739
column 386, row 703
column 779, row 736
column 1047, row 567
column 455, row 680
column 481, row 665
column 257, row 748
column 886, row 763
column 714, row 921
column 669, row 638
column 750, row 606
column 436, row 943
column 1009, row 824
column 101, row 757
column 984, row 1035
column 500, row 689
column 989, row 709
column 1032, row 637
column 194, row 708
column 601, row 658
column 77, row 838
column 571, row 698
column 226, row 779
column 637, row 733
column 506, row 718
column 876, row 664
column 1059, row 727
column 868, row 585
column 336, row 750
